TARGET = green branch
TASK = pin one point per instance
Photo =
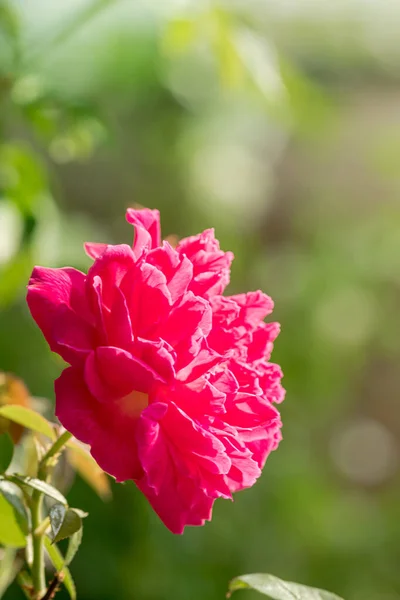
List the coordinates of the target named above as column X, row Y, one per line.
column 38, row 531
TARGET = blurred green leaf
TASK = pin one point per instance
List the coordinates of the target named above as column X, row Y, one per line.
column 28, row 418
column 80, row 18
column 22, row 176
column 59, row 564
column 178, row 35
column 8, row 568
column 78, row 141
column 277, row 589
column 88, row 469
column 309, row 104
column 12, row 494
column 39, row 485
column 9, row 22
column 27, row 89
column 44, row 118
column 231, row 68
column 13, row 276
column 73, row 545
column 6, row 451
column 24, row 580
column 9, row 34
column 11, row 533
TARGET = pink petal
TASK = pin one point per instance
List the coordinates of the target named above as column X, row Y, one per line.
column 249, row 411
column 203, row 361
column 261, row 345
column 117, row 322
column 106, row 298
column 56, row 299
column 211, row 266
column 225, row 310
column 262, row 447
column 270, row 376
column 110, row 434
column 148, row 299
column 112, row 373
column 172, row 482
column 199, row 398
column 244, row 473
column 147, row 229
column 159, row 354
column 197, row 444
column 177, row 269
column 110, row 268
column 171, row 384
column 255, row 306
column 187, row 324
column 94, row 250
column 74, row 337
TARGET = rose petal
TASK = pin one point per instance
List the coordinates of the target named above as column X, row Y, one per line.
column 211, row 266
column 112, row 373
column 177, row 269
column 110, row 434
column 56, row 299
column 147, row 229
column 94, row 250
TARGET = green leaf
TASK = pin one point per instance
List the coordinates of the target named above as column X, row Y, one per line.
column 179, row 34
column 59, row 564
column 8, row 569
column 231, row 68
column 12, row 495
column 9, row 34
column 9, row 21
column 11, row 533
column 6, row 452
column 39, row 485
column 65, row 524
column 73, row 546
column 28, row 418
column 277, row 589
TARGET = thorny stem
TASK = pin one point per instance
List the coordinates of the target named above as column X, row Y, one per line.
column 53, row 587
column 38, row 532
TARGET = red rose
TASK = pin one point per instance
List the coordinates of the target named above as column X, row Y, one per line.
column 169, row 381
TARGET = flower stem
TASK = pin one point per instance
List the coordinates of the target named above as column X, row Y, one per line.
column 53, row 450
column 38, row 531
column 38, row 575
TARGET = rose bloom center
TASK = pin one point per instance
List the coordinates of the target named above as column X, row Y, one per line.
column 134, row 403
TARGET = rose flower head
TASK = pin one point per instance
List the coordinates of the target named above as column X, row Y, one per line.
column 169, row 381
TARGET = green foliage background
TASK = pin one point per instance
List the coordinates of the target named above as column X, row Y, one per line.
column 278, row 124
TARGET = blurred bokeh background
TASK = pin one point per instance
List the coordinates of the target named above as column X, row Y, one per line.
column 278, row 123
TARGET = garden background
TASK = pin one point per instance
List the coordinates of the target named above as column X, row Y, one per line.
column 277, row 123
